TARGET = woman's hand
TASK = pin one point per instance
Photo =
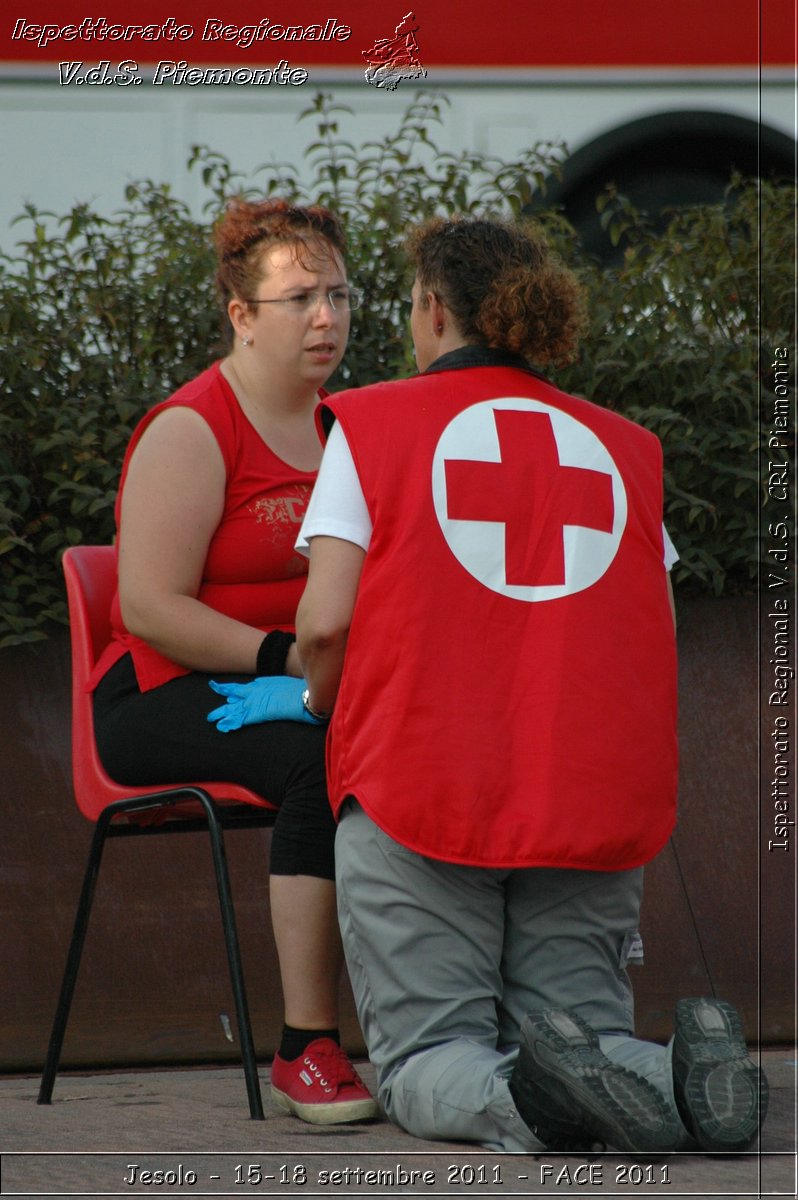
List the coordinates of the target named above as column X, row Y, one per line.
column 269, row 698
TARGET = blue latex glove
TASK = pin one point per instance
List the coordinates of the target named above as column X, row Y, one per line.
column 268, row 698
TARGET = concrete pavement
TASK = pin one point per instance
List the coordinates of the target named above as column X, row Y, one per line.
column 109, row 1134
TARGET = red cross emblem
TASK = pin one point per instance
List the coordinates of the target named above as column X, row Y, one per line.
column 528, row 498
column 532, row 494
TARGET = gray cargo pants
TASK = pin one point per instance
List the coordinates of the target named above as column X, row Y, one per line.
column 446, row 960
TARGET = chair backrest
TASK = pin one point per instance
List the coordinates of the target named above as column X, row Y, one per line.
column 90, row 576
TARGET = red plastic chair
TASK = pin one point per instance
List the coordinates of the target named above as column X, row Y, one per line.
column 90, row 573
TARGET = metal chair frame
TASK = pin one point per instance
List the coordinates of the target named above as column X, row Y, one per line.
column 199, row 807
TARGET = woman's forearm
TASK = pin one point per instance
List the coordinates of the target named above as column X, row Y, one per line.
column 324, row 616
column 322, row 660
column 190, row 633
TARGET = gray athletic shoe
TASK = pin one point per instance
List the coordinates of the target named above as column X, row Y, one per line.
column 721, row 1093
column 572, row 1096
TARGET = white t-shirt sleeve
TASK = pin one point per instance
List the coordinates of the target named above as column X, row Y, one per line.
column 671, row 554
column 337, row 505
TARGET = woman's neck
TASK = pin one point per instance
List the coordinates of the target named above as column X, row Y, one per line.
column 285, row 422
column 264, row 392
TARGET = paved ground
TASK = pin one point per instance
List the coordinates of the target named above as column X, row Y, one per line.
column 104, row 1132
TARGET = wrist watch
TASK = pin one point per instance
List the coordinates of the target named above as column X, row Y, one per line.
column 317, row 716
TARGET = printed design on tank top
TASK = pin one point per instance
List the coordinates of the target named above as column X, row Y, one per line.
column 529, row 500
column 279, row 515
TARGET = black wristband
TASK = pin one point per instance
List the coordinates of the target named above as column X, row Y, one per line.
column 273, row 651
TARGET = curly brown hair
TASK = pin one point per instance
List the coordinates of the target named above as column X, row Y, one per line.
column 247, row 227
column 503, row 285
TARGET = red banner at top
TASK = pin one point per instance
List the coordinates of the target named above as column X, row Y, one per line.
column 449, row 33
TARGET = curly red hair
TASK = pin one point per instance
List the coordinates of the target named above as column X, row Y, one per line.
column 247, row 227
column 503, row 284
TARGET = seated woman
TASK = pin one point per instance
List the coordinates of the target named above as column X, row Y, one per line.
column 213, row 490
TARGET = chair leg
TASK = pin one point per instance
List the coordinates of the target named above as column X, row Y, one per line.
column 234, row 960
column 73, row 961
column 231, row 942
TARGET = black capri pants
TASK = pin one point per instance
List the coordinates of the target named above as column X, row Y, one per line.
column 163, row 736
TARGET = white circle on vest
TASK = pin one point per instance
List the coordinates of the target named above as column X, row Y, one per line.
column 559, row 475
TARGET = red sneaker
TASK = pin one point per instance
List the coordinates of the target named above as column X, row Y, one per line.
column 322, row 1086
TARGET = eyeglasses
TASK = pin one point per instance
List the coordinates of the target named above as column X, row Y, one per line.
column 340, row 299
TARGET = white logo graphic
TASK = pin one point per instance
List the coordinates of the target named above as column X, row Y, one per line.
column 529, row 500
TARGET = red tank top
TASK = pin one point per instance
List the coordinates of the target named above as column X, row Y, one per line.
column 252, row 572
column 509, row 688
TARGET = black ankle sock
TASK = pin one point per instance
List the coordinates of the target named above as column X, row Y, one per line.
column 294, row 1041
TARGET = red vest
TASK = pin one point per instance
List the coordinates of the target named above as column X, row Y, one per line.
column 509, row 690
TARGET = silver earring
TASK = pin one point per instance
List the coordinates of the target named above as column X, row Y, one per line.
column 245, row 341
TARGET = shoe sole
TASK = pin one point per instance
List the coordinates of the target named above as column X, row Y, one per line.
column 722, row 1089
column 572, row 1095
column 335, row 1113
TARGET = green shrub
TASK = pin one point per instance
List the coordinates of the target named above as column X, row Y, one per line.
column 102, row 317
column 99, row 318
column 681, row 339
